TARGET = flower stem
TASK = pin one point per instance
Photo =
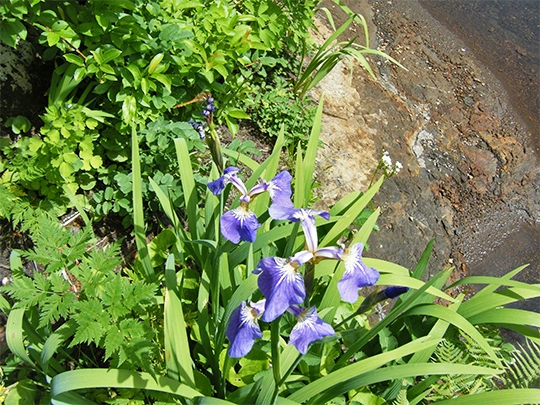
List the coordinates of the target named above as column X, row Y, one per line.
column 309, row 279
column 274, row 343
column 215, row 147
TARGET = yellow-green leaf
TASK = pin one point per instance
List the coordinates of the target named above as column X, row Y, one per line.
column 154, row 63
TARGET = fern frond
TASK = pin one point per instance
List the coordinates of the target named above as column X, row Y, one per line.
column 524, row 369
column 457, row 349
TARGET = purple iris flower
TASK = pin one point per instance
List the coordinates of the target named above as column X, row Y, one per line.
column 243, row 328
column 357, row 274
column 306, row 217
column 241, row 223
column 217, row 186
column 308, row 329
column 282, row 283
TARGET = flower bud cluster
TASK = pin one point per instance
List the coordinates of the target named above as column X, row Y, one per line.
column 199, row 127
column 209, row 108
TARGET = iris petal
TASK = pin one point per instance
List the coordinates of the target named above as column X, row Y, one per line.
column 308, row 329
column 280, row 189
column 330, row 252
column 242, row 330
column 282, row 212
column 357, row 274
column 217, row 186
column 282, row 285
column 239, row 224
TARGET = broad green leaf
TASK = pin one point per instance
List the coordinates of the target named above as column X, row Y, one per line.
column 457, row 320
column 129, row 109
column 191, row 199
column 407, row 281
column 110, row 55
column 311, row 152
column 496, row 282
column 384, row 266
column 75, row 59
column 177, row 350
column 403, row 371
column 76, row 203
column 15, row 335
column 496, row 299
column 504, row 316
column 408, row 301
column 437, row 332
column 350, row 215
column 114, row 378
column 250, row 163
column 11, row 31
column 336, row 378
column 155, row 61
column 488, row 289
column 55, row 341
column 345, row 202
column 499, row 397
column 237, row 113
column 363, row 234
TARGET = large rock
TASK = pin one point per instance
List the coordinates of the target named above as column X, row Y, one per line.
column 447, row 120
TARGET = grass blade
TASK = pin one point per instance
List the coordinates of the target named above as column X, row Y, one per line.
column 138, row 213
column 457, row 320
column 507, row 316
column 496, row 299
column 350, row 215
column 188, row 187
column 399, row 308
column 115, row 378
column 15, row 335
column 336, row 378
column 404, row 371
column 501, row 397
column 177, row 350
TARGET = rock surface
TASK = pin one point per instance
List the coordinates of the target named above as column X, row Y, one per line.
column 471, row 178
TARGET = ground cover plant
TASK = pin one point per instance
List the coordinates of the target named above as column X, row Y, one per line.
column 246, row 294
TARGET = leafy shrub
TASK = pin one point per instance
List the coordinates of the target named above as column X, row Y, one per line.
column 134, row 62
column 276, row 99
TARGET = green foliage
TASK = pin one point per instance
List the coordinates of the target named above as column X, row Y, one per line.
column 330, row 53
column 140, row 61
column 18, row 124
column 84, row 329
column 65, row 154
column 458, row 349
column 77, row 296
column 276, row 99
